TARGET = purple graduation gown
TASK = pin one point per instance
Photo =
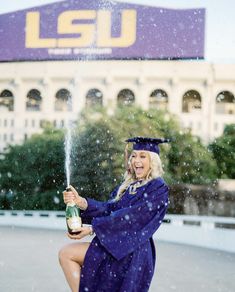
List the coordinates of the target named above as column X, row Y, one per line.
column 121, row 257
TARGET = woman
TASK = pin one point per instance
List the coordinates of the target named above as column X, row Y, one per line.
column 121, row 257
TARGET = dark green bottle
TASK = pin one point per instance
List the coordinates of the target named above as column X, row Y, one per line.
column 73, row 218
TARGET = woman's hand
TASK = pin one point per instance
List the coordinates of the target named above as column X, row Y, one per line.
column 85, row 230
column 73, row 196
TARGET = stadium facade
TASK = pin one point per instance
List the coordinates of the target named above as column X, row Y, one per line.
column 199, row 94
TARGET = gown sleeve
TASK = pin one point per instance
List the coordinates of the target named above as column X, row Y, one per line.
column 97, row 208
column 126, row 229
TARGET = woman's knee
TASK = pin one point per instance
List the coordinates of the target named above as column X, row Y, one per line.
column 64, row 254
column 73, row 252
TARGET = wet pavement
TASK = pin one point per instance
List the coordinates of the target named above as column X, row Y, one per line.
column 28, row 262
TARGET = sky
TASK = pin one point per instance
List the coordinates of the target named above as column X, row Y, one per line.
column 220, row 21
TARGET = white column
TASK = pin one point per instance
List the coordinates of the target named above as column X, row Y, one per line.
column 141, row 98
column 207, row 108
column 81, row 91
column 175, row 99
column 49, row 100
column 19, row 111
column 46, row 98
column 110, row 101
column 77, row 96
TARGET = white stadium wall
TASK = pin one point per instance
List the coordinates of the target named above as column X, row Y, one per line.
column 206, row 118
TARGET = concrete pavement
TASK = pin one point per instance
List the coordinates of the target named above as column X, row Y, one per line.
column 28, row 262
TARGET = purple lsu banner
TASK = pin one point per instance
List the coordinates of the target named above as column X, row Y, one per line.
column 92, row 29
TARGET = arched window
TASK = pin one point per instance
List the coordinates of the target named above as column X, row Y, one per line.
column 125, row 97
column 94, row 97
column 6, row 101
column 158, row 99
column 63, row 101
column 191, row 101
column 225, row 103
column 34, row 100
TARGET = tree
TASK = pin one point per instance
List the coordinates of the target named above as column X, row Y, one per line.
column 224, row 153
column 185, row 158
column 129, row 122
column 32, row 173
column 190, row 161
column 94, row 160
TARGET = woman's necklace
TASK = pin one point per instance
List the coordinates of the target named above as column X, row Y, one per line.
column 133, row 187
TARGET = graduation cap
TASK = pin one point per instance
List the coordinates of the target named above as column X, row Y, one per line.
column 147, row 144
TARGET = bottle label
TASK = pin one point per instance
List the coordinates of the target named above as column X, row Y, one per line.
column 74, row 223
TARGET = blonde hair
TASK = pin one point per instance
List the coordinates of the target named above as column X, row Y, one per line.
column 129, row 176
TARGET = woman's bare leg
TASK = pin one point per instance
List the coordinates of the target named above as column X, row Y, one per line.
column 71, row 259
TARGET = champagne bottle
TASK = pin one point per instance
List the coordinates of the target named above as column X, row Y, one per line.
column 73, row 219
